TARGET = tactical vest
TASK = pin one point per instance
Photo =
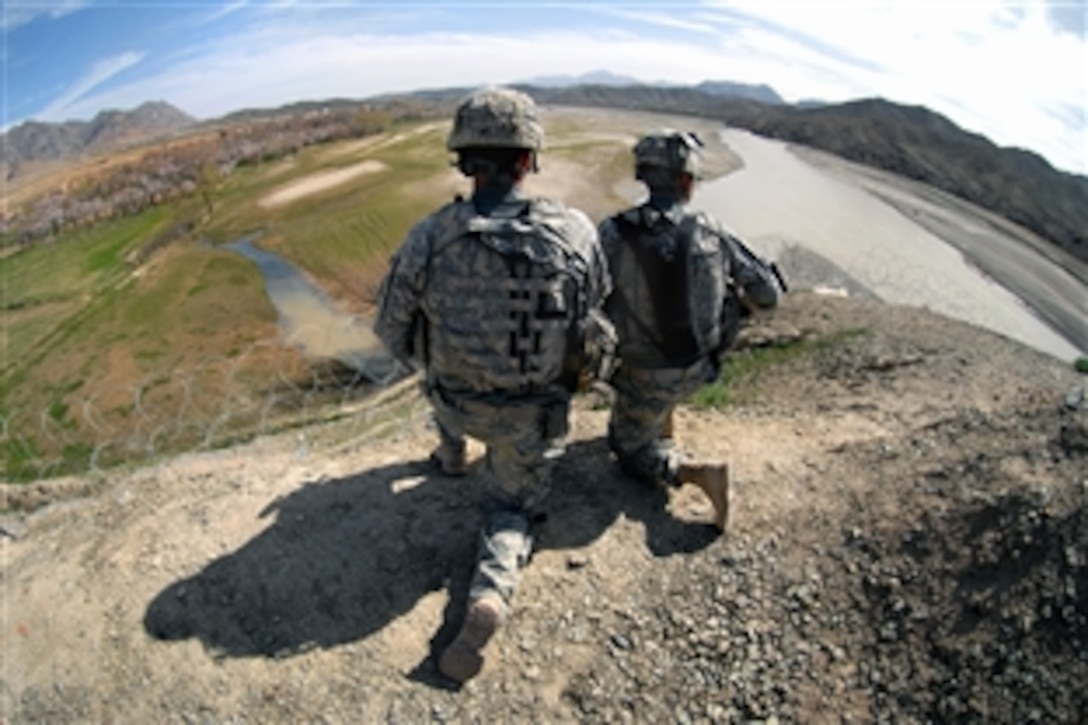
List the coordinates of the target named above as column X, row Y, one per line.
column 504, row 299
column 672, row 300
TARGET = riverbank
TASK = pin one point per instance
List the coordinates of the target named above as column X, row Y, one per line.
column 313, row 322
column 778, row 200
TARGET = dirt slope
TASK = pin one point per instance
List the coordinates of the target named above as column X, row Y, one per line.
column 908, row 544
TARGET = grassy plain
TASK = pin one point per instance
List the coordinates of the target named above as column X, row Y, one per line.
column 112, row 355
column 743, row 367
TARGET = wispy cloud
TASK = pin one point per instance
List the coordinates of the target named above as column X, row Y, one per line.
column 228, row 9
column 60, row 108
column 20, row 12
column 663, row 20
column 1005, row 71
column 272, row 67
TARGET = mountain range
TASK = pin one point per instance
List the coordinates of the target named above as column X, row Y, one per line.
column 108, row 131
column 755, row 92
column 912, row 141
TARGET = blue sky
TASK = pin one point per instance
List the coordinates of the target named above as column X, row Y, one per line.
column 1014, row 71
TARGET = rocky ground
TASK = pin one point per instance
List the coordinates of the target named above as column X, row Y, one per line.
column 908, row 543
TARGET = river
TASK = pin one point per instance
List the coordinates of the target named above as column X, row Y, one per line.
column 311, row 321
column 780, row 204
column 778, row 200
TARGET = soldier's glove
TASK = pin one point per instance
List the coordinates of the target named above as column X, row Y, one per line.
column 599, row 361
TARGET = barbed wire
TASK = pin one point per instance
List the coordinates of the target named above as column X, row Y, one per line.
column 320, row 376
column 264, row 389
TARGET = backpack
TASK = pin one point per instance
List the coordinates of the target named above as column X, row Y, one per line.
column 505, row 301
column 694, row 309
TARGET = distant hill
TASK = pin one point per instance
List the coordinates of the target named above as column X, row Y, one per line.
column 107, row 131
column 909, row 140
column 761, row 92
column 299, row 108
column 918, row 143
column 731, row 89
column 597, row 77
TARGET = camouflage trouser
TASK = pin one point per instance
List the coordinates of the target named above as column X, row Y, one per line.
column 505, row 545
column 523, row 442
column 645, row 398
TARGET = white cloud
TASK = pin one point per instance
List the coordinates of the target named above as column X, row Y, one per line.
column 14, row 14
column 221, row 12
column 271, row 69
column 1009, row 75
column 1008, row 72
column 63, row 106
column 686, row 22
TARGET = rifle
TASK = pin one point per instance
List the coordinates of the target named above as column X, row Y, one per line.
column 771, row 268
column 779, row 277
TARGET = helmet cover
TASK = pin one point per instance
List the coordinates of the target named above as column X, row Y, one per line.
column 669, row 150
column 496, row 118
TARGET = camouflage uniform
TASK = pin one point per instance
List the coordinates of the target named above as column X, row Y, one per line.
column 513, row 398
column 669, row 324
column 487, row 295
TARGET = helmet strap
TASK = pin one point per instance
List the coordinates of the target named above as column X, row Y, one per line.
column 527, row 164
column 687, row 186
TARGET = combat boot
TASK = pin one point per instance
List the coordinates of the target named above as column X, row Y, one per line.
column 451, row 460
column 464, row 658
column 714, row 481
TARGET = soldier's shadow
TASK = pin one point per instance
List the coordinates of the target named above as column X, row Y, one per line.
column 343, row 558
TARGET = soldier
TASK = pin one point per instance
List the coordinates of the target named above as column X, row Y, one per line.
column 491, row 296
column 680, row 280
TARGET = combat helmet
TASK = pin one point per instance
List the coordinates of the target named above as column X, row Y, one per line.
column 668, row 151
column 496, row 118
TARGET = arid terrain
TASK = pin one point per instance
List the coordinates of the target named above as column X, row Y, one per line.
column 908, row 543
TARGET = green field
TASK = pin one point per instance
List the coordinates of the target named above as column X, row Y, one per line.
column 118, row 347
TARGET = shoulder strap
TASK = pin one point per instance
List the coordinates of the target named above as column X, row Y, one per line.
column 640, row 219
column 544, row 215
column 538, row 214
column 458, row 211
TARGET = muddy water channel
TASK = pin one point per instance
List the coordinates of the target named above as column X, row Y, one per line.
column 311, row 321
column 777, row 202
